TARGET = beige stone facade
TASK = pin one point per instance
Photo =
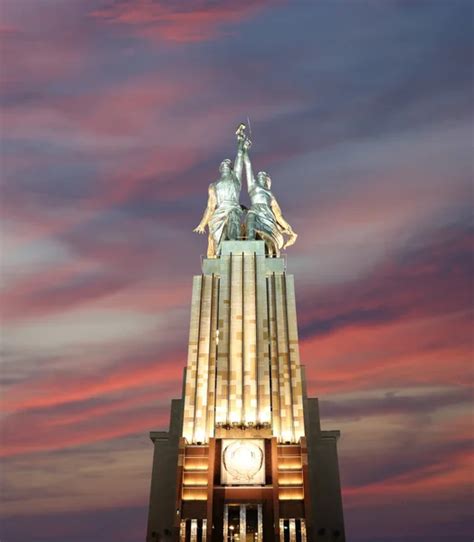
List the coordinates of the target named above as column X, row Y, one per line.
column 245, row 448
column 243, row 358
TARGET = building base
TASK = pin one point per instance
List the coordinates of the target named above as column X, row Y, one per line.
column 189, row 504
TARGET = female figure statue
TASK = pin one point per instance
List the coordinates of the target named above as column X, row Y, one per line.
column 264, row 218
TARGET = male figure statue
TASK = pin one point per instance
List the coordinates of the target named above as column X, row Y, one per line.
column 264, row 218
column 223, row 212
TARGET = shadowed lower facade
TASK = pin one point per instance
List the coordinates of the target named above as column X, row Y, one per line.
column 245, row 458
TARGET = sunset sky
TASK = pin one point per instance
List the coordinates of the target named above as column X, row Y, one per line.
column 115, row 117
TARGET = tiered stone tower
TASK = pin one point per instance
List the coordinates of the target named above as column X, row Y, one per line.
column 245, row 458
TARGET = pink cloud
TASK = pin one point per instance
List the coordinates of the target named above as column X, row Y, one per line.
column 447, row 477
column 58, row 418
column 60, row 389
column 48, row 438
column 123, row 130
column 31, row 56
column 409, row 352
column 66, row 287
column 198, row 20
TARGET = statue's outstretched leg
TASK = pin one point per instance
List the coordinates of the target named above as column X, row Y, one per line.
column 251, row 226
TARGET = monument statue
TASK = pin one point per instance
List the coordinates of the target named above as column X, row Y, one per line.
column 223, row 213
column 245, row 457
column 264, row 218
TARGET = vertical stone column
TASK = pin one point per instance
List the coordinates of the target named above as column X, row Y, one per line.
column 223, row 331
column 260, row 524
column 276, row 490
column 272, row 348
column 262, row 345
column 294, row 357
column 213, row 330
column 250, row 338
column 200, row 376
column 286, row 398
column 193, row 354
column 226, row 521
column 292, row 530
column 282, row 531
column 203, row 358
column 236, row 340
column 303, row 531
column 243, row 522
column 182, row 531
column 213, row 460
column 194, row 530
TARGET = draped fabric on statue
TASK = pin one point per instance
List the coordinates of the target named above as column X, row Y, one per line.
column 226, row 212
column 266, row 225
column 227, row 209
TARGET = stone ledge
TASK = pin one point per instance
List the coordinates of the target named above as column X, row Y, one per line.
column 335, row 434
column 160, row 436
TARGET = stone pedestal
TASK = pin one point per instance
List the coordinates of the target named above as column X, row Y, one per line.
column 245, row 414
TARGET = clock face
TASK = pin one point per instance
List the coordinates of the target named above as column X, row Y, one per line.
column 243, row 462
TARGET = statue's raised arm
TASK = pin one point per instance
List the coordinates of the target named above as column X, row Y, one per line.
column 238, row 162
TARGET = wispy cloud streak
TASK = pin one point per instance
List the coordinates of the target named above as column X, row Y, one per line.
column 116, row 116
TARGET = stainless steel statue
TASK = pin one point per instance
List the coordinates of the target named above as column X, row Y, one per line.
column 264, row 218
column 223, row 212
